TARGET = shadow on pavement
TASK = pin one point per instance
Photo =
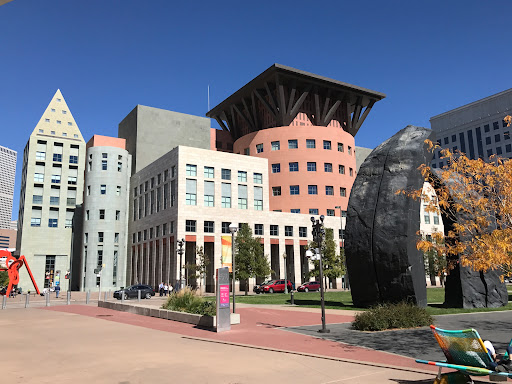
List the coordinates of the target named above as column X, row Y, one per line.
column 333, row 304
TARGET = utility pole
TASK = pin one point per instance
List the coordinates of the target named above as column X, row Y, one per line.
column 180, row 252
column 318, row 237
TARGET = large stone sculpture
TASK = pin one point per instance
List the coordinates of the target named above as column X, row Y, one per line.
column 382, row 260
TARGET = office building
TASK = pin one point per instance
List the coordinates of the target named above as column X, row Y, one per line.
column 52, row 185
column 477, row 129
column 7, row 175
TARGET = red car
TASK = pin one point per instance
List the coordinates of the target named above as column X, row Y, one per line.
column 309, row 286
column 277, row 286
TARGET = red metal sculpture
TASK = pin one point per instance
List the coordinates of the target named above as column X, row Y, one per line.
column 12, row 265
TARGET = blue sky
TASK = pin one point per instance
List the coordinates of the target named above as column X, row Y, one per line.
column 106, row 56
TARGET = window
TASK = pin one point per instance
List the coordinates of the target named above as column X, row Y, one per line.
column 225, row 174
column 294, row 190
column 327, row 144
column 242, row 176
column 104, row 155
column 40, row 155
column 427, row 219
column 258, row 178
column 294, row 167
column 506, row 135
column 274, row 230
column 340, row 147
column 209, row 172
column 497, row 138
column 295, row 210
column 116, row 237
column 343, row 213
column 446, row 141
column 498, row 151
column 489, row 152
column 276, row 191
column 258, row 198
column 46, row 121
column 35, row 222
column 276, row 168
column 330, row 212
column 259, row 148
column 436, row 220
column 293, row 144
column 103, row 165
column 349, row 150
column 53, row 223
column 103, row 189
column 57, row 157
column 495, row 125
column 72, row 180
column 343, row 192
column 312, row 190
column 288, row 230
column 52, row 132
column 59, row 122
column 209, row 194
column 226, row 195
column 275, row 146
column 55, row 179
column 100, row 237
column 102, row 214
column 310, row 143
column 119, row 166
column 38, row 177
column 118, row 190
column 508, row 148
column 258, row 229
column 209, row 227
column 329, row 190
column 486, row 128
column 487, row 140
column 225, row 227
column 351, row 172
column 247, row 151
column 53, row 109
column 313, row 211
column 303, row 232
column 191, row 170
column 37, row 199
column 88, row 190
column 341, row 169
column 118, row 215
column 327, row 167
column 311, row 166
column 191, row 192
column 190, row 225
column 54, row 200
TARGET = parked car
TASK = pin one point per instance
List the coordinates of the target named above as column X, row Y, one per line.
column 258, row 288
column 277, row 286
column 309, row 286
column 132, row 291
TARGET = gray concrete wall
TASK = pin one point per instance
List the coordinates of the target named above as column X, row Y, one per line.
column 361, row 155
column 152, row 132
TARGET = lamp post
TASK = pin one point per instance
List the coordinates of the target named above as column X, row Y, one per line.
column 233, row 228
column 318, row 237
column 285, row 275
column 180, row 252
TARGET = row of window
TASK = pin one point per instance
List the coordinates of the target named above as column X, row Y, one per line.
column 311, row 167
column 314, row 211
column 102, row 214
column 103, row 190
column 52, row 223
column 104, row 162
column 209, row 227
column 312, row 190
column 294, row 144
column 99, row 263
column 39, row 178
column 209, row 173
column 143, row 235
column 54, row 200
column 150, row 184
column 57, row 157
column 64, row 134
column 152, row 201
column 490, row 152
column 101, row 238
column 209, row 195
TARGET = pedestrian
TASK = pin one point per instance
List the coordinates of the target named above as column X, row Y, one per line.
column 166, row 289
column 161, row 289
column 57, row 291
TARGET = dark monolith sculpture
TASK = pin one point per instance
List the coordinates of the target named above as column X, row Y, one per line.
column 382, row 260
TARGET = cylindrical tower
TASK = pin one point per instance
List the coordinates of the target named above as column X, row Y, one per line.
column 105, row 226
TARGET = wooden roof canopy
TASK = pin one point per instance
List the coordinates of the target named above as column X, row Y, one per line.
column 281, row 92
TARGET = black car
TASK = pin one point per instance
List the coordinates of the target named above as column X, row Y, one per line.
column 131, row 292
column 258, row 288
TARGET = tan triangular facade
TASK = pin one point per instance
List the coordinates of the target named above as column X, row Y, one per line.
column 58, row 120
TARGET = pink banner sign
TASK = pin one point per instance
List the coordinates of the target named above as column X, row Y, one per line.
column 224, row 296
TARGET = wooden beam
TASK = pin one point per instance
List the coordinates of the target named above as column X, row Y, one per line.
column 295, row 110
column 281, row 98
column 249, row 115
column 291, row 99
column 265, row 103
column 330, row 114
column 271, row 97
column 221, row 123
column 242, row 116
column 326, row 104
column 349, row 118
column 254, row 110
column 357, row 111
column 317, row 108
column 363, row 117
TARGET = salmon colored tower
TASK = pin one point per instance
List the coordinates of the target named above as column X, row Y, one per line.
column 304, row 124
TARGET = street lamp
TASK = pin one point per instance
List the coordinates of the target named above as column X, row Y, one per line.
column 318, row 237
column 233, row 228
column 285, row 277
column 180, row 252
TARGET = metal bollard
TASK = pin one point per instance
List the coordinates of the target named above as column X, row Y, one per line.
column 4, row 301
column 292, row 298
column 87, row 297
column 27, row 299
column 105, row 296
column 138, row 295
column 109, row 293
column 48, row 299
column 68, row 298
column 122, row 296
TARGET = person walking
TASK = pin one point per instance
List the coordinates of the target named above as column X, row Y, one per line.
column 161, row 289
column 57, row 291
column 170, row 288
column 166, row 289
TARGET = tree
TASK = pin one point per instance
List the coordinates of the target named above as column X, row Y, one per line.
column 333, row 264
column 249, row 258
column 4, row 278
column 198, row 270
column 477, row 197
column 435, row 264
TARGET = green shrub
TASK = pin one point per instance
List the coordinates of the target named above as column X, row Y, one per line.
column 187, row 300
column 392, row 316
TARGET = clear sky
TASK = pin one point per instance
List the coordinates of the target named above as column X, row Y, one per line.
column 107, row 56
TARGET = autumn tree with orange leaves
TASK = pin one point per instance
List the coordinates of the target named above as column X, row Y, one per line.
column 477, row 196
